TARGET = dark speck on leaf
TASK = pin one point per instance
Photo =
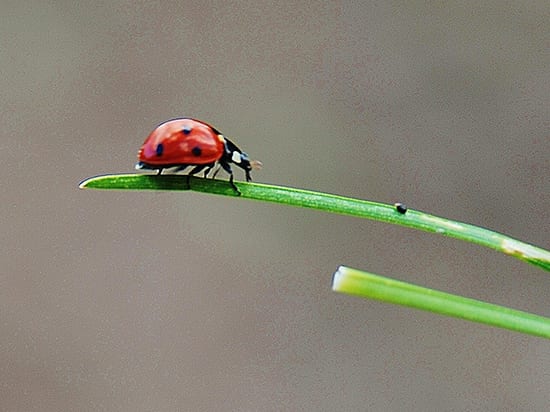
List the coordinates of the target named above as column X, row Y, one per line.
column 401, row 208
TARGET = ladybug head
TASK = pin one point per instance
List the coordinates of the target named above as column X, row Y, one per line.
column 241, row 159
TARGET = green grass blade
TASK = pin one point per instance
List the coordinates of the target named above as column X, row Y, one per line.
column 330, row 203
column 368, row 285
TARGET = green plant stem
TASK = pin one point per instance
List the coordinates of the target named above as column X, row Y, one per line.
column 330, row 203
column 368, row 285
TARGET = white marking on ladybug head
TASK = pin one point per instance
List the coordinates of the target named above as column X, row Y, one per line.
column 236, row 157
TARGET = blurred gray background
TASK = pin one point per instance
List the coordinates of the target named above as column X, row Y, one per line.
column 145, row 301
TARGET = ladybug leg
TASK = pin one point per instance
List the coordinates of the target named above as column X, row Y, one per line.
column 209, row 168
column 216, row 171
column 159, row 172
column 180, row 168
column 227, row 168
column 197, row 169
column 235, row 188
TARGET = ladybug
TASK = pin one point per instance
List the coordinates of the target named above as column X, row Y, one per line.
column 183, row 142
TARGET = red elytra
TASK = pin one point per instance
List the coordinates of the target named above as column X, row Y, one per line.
column 187, row 142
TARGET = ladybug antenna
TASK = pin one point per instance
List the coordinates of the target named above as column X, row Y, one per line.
column 256, row 164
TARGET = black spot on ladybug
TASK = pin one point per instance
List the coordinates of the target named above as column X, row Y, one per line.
column 196, row 151
column 187, row 129
column 401, row 208
column 160, row 149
